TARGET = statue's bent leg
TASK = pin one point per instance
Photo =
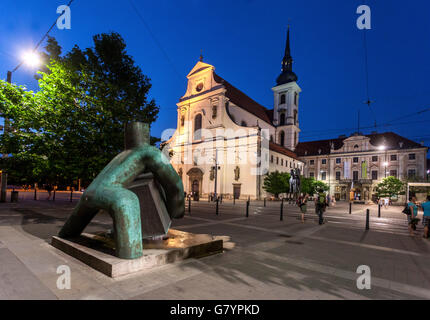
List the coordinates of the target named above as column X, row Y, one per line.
column 78, row 221
column 124, row 207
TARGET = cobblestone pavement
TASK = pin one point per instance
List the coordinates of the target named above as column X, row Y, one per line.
column 265, row 258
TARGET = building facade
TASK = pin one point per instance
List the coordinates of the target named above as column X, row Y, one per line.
column 225, row 142
column 353, row 166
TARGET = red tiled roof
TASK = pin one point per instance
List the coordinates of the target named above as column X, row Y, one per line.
column 390, row 139
column 243, row 101
column 282, row 150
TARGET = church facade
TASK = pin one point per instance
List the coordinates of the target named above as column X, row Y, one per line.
column 226, row 143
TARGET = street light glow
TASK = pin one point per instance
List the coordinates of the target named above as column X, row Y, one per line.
column 31, row 59
column 385, row 164
column 382, row 148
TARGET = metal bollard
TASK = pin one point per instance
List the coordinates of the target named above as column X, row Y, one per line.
column 217, row 201
column 379, row 210
column 35, row 193
column 71, row 195
column 367, row 219
column 189, row 204
column 282, row 210
column 53, row 197
column 247, row 209
column 350, row 208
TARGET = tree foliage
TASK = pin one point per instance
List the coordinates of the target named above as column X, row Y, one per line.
column 73, row 126
column 389, row 187
column 311, row 186
column 277, row 183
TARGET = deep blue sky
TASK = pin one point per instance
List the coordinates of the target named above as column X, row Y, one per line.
column 244, row 40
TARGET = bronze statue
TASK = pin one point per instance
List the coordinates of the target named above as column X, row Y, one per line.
column 109, row 191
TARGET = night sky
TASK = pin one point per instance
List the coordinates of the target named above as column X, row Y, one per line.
column 244, row 40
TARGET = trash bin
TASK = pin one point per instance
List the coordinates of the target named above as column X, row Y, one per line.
column 14, row 196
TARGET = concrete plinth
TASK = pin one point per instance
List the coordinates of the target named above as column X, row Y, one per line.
column 98, row 251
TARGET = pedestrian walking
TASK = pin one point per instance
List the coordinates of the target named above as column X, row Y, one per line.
column 328, row 200
column 49, row 189
column 304, row 206
column 426, row 217
column 412, row 217
column 386, row 202
column 320, row 205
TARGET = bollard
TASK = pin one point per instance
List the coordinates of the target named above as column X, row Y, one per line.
column 234, row 200
column 35, row 193
column 189, row 205
column 247, row 209
column 53, row 197
column 350, row 208
column 217, row 201
column 379, row 210
column 282, row 210
column 367, row 219
column 265, row 202
column 71, row 195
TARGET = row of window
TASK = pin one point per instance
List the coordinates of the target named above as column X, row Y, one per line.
column 280, row 161
column 355, row 174
column 393, row 157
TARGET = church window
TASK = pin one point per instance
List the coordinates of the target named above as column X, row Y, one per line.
column 282, row 120
column 271, row 159
column 355, row 160
column 296, row 96
column 214, row 112
column 198, row 127
column 324, row 161
column 311, row 162
column 277, row 160
column 199, row 87
column 271, row 138
column 338, row 160
column 356, row 146
column 338, row 175
column 182, row 121
column 282, row 138
column 295, row 117
column 283, row 99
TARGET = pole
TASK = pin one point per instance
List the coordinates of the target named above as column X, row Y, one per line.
column 53, row 197
column 350, row 207
column 71, row 194
column 216, row 173
column 189, row 205
column 367, row 219
column 217, row 203
column 3, row 186
column 379, row 210
column 247, row 208
column 282, row 210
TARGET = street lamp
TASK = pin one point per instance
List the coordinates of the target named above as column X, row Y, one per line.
column 32, row 59
column 385, row 164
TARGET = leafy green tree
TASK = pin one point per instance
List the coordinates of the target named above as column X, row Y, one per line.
column 73, row 126
column 277, row 183
column 389, row 187
column 311, row 186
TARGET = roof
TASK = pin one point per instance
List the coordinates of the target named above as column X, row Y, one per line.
column 243, row 101
column 282, row 150
column 390, row 139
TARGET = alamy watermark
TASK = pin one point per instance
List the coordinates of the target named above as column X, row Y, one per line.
column 364, row 281
column 64, row 281
column 364, row 21
column 64, row 21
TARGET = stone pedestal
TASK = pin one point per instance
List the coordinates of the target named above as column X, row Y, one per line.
column 98, row 251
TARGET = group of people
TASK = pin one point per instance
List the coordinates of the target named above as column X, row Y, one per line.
column 321, row 203
column 412, row 213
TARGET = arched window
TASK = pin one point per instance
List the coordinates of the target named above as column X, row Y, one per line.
column 182, row 121
column 198, row 127
column 282, row 120
column 283, row 99
column 296, row 97
column 295, row 117
column 282, row 138
column 271, row 139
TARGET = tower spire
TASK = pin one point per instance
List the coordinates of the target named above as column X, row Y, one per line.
column 287, row 74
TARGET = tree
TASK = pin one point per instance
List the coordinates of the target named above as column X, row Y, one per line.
column 277, row 183
column 73, row 126
column 390, row 187
column 311, row 186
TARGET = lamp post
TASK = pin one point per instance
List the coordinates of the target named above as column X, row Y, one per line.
column 31, row 59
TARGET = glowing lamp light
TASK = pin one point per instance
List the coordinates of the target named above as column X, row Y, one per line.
column 382, row 148
column 31, row 59
column 385, row 164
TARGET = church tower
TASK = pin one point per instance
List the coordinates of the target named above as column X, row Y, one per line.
column 286, row 102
